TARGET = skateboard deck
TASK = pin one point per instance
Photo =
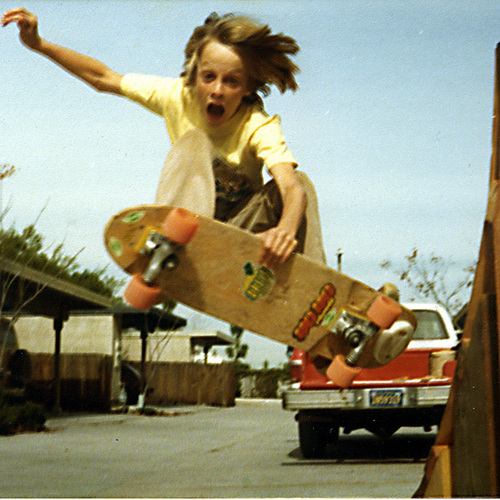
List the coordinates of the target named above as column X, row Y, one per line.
column 303, row 303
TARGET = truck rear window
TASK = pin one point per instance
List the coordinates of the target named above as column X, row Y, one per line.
column 430, row 326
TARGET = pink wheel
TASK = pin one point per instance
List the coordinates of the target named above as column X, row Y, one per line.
column 340, row 373
column 180, row 225
column 384, row 311
column 140, row 295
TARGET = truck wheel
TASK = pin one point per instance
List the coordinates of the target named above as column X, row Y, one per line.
column 314, row 436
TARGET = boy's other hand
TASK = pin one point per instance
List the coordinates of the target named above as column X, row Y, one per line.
column 27, row 24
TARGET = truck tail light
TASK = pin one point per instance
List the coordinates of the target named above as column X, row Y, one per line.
column 296, row 370
column 297, row 365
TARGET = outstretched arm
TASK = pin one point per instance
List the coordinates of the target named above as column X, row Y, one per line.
column 91, row 71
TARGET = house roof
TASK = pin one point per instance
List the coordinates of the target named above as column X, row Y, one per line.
column 209, row 338
column 148, row 321
column 144, row 321
column 204, row 338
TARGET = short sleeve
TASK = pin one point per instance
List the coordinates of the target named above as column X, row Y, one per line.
column 269, row 144
column 153, row 92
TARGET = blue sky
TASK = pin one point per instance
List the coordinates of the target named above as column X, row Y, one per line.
column 392, row 123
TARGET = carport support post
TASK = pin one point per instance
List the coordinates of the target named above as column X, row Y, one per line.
column 116, row 383
column 58, row 326
column 144, row 338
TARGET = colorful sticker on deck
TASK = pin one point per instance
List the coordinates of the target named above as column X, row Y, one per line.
column 316, row 313
column 133, row 217
column 257, row 281
column 115, row 246
column 329, row 318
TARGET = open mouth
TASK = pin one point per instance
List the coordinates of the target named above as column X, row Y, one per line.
column 215, row 110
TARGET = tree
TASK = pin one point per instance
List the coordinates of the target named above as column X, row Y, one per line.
column 27, row 250
column 154, row 340
column 435, row 278
column 237, row 351
column 6, row 171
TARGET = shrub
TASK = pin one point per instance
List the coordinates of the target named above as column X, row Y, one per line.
column 17, row 415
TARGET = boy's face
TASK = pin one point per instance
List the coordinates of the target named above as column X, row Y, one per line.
column 221, row 83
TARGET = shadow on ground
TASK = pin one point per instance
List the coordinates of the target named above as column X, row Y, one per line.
column 367, row 448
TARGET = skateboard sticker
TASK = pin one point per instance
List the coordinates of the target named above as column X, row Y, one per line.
column 133, row 217
column 329, row 318
column 257, row 281
column 115, row 246
column 317, row 312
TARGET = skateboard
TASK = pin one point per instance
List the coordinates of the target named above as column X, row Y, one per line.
column 214, row 268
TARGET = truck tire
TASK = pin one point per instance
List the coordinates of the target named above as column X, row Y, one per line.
column 314, row 437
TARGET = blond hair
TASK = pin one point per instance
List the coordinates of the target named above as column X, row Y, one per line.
column 265, row 55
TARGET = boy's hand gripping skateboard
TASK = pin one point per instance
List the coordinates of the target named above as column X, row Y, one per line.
column 213, row 267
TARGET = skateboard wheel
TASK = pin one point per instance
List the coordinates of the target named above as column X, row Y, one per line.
column 383, row 312
column 180, row 225
column 392, row 342
column 139, row 295
column 340, row 373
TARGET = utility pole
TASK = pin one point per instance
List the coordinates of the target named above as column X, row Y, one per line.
column 339, row 260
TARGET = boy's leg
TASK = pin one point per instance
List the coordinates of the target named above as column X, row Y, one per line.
column 257, row 213
column 313, row 244
column 187, row 178
column 263, row 210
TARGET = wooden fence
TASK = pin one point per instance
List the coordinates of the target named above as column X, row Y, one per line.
column 86, row 382
column 191, row 383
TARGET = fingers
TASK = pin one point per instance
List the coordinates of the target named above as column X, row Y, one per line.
column 27, row 23
column 277, row 248
column 20, row 16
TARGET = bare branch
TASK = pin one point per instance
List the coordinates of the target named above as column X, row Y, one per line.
column 434, row 278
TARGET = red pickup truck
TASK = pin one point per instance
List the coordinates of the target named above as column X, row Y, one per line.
column 411, row 391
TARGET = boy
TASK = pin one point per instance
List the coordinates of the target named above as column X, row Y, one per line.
column 214, row 106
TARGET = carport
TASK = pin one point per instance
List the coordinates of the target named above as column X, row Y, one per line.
column 207, row 340
column 38, row 293
column 146, row 322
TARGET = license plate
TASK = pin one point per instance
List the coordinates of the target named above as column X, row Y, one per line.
column 386, row 398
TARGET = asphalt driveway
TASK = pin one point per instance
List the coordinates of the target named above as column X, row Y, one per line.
column 250, row 450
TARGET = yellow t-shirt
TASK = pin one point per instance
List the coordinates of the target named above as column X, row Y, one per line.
column 250, row 140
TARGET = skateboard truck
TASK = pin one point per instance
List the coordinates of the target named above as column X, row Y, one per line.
column 162, row 246
column 357, row 331
column 163, row 253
